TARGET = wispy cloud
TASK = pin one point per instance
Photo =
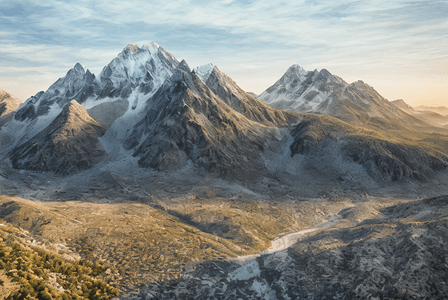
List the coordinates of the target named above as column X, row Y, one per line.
column 349, row 37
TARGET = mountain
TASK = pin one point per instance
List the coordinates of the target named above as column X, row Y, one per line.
column 321, row 92
column 41, row 109
column 428, row 115
column 442, row 110
column 70, row 143
column 77, row 84
column 185, row 121
column 155, row 109
column 244, row 103
column 8, row 103
column 146, row 106
column 134, row 72
column 402, row 105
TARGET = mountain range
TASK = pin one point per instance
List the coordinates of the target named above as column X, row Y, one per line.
column 147, row 105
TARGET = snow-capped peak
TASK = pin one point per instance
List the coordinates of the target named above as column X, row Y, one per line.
column 296, row 70
column 152, row 47
column 150, row 62
column 131, row 48
column 79, row 68
column 204, row 71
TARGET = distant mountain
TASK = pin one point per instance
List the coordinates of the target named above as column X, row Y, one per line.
column 321, row 92
column 428, row 115
column 402, row 105
column 8, row 104
column 437, row 109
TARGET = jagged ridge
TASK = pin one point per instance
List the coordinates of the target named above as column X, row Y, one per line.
column 185, row 121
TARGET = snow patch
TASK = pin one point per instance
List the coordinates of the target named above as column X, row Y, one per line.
column 246, row 272
column 263, row 290
column 204, row 71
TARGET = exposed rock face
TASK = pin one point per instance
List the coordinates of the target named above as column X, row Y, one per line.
column 8, row 103
column 186, row 121
column 69, row 144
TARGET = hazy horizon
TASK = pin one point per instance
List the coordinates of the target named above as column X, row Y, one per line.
column 399, row 48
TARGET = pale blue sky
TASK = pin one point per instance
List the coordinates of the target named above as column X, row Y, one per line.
column 398, row 47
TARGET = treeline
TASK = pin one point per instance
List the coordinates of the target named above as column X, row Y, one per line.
column 32, row 268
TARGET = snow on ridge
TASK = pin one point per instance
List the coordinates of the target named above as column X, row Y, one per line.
column 204, row 71
column 134, row 63
column 25, row 130
column 130, row 68
column 131, row 48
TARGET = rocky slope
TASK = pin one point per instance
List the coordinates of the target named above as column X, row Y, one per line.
column 244, row 103
column 69, row 144
column 185, row 121
column 372, row 251
column 380, row 157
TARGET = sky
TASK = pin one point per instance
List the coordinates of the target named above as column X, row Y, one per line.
column 398, row 47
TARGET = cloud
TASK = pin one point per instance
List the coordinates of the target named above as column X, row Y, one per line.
column 347, row 35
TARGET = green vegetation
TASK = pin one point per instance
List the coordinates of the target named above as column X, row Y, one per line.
column 42, row 275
